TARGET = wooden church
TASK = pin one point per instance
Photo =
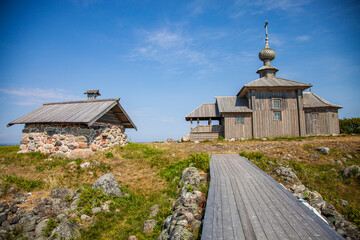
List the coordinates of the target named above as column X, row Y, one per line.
column 267, row 107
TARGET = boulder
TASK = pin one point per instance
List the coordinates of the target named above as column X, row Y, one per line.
column 323, row 150
column 185, row 138
column 285, row 172
column 60, row 155
column 81, row 153
column 108, row 185
column 350, row 171
column 154, row 210
column 314, row 156
column 40, row 227
column 149, row 225
column 81, row 139
column 28, row 222
column 63, row 194
column 85, row 165
column 66, row 230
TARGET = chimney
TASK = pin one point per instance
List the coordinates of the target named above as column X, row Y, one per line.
column 92, row 94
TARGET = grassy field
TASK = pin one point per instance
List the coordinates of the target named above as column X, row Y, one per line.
column 150, row 173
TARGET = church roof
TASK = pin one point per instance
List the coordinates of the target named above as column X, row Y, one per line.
column 311, row 100
column 85, row 112
column 204, row 111
column 232, row 104
column 271, row 82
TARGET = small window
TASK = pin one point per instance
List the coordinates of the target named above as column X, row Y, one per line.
column 277, row 116
column 333, row 115
column 314, row 116
column 239, row 120
column 276, row 103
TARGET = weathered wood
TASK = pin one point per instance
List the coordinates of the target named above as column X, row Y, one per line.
column 246, row 203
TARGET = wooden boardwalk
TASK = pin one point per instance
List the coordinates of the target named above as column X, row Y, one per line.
column 246, row 203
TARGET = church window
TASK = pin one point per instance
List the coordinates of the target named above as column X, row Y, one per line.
column 314, row 116
column 277, row 116
column 239, row 120
column 276, row 103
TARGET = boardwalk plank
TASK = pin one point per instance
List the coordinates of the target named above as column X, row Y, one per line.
column 314, row 225
column 246, row 203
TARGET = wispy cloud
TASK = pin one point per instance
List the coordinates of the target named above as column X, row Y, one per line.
column 172, row 49
column 260, row 6
column 303, row 38
column 32, row 96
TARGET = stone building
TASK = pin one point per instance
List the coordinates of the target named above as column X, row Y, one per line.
column 76, row 128
column 267, row 107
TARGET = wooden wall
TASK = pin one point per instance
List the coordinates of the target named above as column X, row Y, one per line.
column 334, row 121
column 263, row 120
column 326, row 123
column 233, row 130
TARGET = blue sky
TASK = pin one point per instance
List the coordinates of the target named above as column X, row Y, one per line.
column 165, row 58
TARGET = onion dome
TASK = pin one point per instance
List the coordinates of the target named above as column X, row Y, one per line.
column 267, row 53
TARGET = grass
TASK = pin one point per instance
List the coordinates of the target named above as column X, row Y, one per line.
column 19, row 183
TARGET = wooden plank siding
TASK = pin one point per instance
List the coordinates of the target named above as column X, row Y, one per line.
column 246, row 203
column 327, row 122
column 263, row 114
column 233, row 130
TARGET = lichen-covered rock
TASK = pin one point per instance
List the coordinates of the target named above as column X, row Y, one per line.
column 154, row 210
column 185, row 138
column 286, row 173
column 63, row 194
column 323, row 150
column 108, row 185
column 66, row 230
column 40, row 227
column 81, row 153
column 190, row 180
column 350, row 171
column 149, row 225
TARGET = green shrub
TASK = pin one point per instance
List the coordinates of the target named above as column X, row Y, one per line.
column 20, row 182
column 109, row 155
column 350, row 125
column 50, row 226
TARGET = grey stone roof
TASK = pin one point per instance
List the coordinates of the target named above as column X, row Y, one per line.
column 273, row 82
column 232, row 104
column 204, row 111
column 86, row 112
column 311, row 100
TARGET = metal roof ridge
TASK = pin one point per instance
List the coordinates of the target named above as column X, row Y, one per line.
column 83, row 101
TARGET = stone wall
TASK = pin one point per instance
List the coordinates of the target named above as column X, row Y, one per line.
column 64, row 139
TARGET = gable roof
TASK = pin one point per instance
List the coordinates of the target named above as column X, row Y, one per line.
column 204, row 111
column 232, row 104
column 86, row 112
column 311, row 100
column 272, row 82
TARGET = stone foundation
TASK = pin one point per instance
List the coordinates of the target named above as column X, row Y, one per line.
column 64, row 139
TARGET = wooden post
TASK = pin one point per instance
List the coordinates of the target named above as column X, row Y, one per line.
column 209, row 122
column 198, row 122
column 190, row 123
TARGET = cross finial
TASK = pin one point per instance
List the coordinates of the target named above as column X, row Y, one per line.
column 266, row 34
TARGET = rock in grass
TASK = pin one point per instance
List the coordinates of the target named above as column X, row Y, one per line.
column 66, row 230
column 154, row 210
column 350, row 171
column 63, row 194
column 149, row 225
column 108, row 185
column 323, row 150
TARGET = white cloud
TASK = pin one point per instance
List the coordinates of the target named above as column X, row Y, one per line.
column 32, row 96
column 303, row 38
column 172, row 49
